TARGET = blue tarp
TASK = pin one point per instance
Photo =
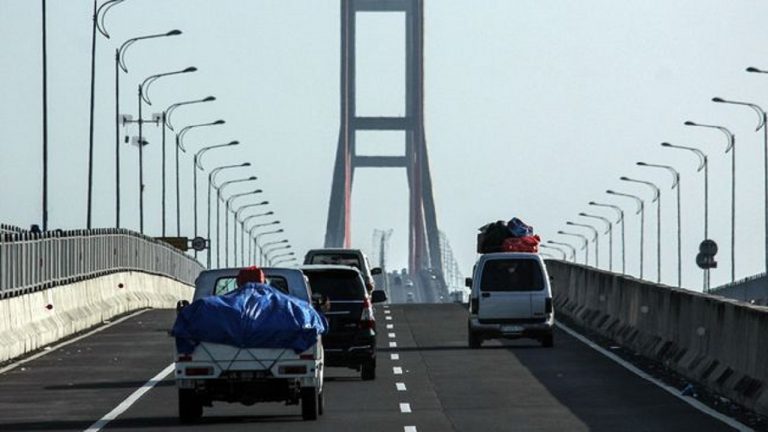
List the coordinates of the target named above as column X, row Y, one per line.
column 253, row 316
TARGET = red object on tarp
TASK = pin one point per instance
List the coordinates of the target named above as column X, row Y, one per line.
column 528, row 244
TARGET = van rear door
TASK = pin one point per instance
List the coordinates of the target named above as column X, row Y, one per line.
column 508, row 289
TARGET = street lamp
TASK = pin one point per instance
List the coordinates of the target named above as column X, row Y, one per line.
column 567, row 246
column 227, row 210
column 98, row 23
column 609, row 231
column 623, row 237
column 219, row 199
column 703, row 164
column 280, row 261
column 212, row 184
column 731, row 147
column 144, row 87
column 120, row 64
column 675, row 185
column 641, row 211
column 197, row 165
column 180, row 147
column 657, row 199
column 595, row 239
column 260, row 235
column 275, row 249
column 165, row 119
column 762, row 118
column 584, row 239
column 280, row 257
column 544, row 246
column 242, row 225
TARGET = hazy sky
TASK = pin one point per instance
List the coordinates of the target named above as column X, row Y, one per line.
column 533, row 109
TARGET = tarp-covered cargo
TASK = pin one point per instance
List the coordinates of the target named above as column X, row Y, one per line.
column 253, row 316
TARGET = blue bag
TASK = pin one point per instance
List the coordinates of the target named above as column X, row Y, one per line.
column 519, row 228
column 253, row 316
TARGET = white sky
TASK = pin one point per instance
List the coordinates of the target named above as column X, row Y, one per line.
column 533, row 108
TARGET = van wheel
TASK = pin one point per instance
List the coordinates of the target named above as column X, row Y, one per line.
column 190, row 406
column 475, row 340
column 548, row 341
column 368, row 370
column 309, row 403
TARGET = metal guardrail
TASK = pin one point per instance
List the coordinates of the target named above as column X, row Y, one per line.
column 11, row 229
column 32, row 262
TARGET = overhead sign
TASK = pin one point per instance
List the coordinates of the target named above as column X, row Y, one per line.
column 199, row 244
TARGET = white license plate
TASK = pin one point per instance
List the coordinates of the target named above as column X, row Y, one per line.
column 511, row 329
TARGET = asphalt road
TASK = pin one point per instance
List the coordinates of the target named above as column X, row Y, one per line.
column 504, row 386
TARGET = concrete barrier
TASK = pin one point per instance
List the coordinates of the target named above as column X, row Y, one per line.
column 714, row 341
column 32, row 321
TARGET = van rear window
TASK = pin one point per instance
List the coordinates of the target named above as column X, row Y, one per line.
column 512, row 275
column 337, row 285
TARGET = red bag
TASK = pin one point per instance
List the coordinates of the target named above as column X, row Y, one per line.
column 528, row 244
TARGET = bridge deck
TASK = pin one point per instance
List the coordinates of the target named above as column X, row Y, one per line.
column 504, row 386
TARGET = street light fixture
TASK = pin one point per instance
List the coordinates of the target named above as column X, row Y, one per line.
column 567, row 246
column 227, row 210
column 280, row 256
column 219, row 199
column 554, row 248
column 280, row 261
column 197, row 165
column 731, row 147
column 584, row 239
column 242, row 225
column 260, row 235
column 657, row 199
column 211, row 185
column 641, row 211
column 623, row 237
column 609, row 231
column 120, row 64
column 762, row 119
column 675, row 185
column 595, row 239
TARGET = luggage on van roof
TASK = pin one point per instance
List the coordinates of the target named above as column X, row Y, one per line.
column 512, row 236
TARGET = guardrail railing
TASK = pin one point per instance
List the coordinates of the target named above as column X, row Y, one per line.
column 31, row 262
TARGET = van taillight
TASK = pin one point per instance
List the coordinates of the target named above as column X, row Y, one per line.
column 184, row 358
column 307, row 356
column 198, row 371
column 474, row 305
column 292, row 370
column 548, row 305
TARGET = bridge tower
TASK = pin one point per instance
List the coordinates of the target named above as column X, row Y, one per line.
column 424, row 237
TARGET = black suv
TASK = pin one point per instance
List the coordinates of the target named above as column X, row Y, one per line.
column 351, row 338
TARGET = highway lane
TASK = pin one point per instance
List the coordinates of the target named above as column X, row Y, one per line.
column 445, row 386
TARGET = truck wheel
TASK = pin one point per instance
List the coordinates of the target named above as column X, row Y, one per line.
column 190, row 407
column 548, row 341
column 309, row 403
column 474, row 340
column 368, row 370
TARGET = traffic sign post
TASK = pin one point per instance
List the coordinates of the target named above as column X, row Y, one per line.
column 705, row 259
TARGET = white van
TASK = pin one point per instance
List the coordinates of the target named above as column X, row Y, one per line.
column 511, row 298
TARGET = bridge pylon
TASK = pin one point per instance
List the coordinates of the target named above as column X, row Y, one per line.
column 424, row 238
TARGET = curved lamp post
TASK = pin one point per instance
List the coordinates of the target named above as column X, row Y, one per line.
column 762, row 118
column 120, row 65
column 280, row 261
column 219, row 200
column 623, row 237
column 675, row 185
column 197, row 165
column 565, row 245
column 227, row 211
column 256, row 238
column 657, row 199
column 211, row 184
column 731, row 147
column 180, row 147
column 584, row 239
column 641, row 211
column 595, row 238
column 280, row 255
column 609, row 231
column 242, row 226
column 554, row 248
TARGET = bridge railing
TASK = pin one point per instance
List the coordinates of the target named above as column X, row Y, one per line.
column 31, row 262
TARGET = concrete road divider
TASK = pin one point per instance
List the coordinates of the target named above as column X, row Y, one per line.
column 32, row 321
column 718, row 342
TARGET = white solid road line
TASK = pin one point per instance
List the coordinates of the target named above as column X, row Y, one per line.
column 410, row 429
column 70, row 341
column 671, row 390
column 394, row 356
column 393, row 344
column 400, row 386
column 397, row 370
column 405, row 408
column 130, row 400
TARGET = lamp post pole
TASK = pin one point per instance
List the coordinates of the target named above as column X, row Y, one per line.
column 567, row 246
column 657, row 199
column 554, row 248
column 623, row 237
column 731, row 147
column 242, row 223
column 641, row 211
column 227, row 210
column 675, row 185
column 197, row 164
column 274, row 259
column 763, row 118
column 212, row 184
column 595, row 238
column 584, row 239
column 260, row 235
column 609, row 231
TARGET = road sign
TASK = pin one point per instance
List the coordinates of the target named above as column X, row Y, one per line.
column 705, row 259
column 199, row 244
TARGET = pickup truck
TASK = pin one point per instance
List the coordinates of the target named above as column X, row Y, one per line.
column 215, row 372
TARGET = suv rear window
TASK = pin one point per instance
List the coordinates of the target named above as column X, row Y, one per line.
column 512, row 275
column 347, row 259
column 228, row 284
column 337, row 285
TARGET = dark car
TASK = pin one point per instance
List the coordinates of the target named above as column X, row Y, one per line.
column 351, row 338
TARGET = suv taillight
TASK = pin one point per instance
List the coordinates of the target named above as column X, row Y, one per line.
column 548, row 305
column 366, row 318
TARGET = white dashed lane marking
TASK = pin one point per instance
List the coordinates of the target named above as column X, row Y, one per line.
column 393, row 344
column 391, row 335
column 397, row 370
column 400, row 386
column 394, row 356
column 405, row 407
column 410, row 429
column 389, row 318
column 390, row 326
